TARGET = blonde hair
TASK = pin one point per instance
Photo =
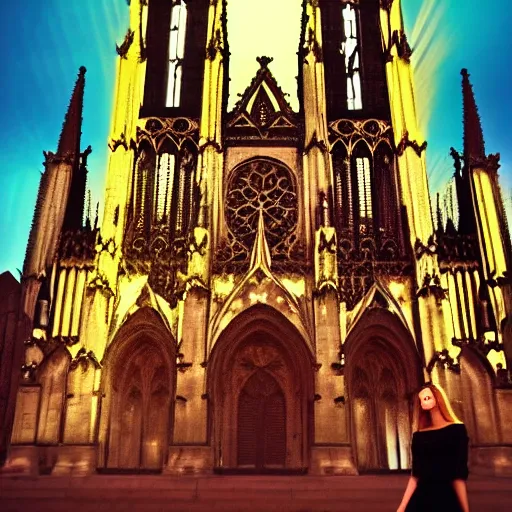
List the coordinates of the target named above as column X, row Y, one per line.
column 422, row 418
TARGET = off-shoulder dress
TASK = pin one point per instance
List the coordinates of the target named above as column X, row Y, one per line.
column 438, row 458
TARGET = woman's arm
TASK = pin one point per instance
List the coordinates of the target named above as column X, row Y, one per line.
column 462, row 494
column 409, row 490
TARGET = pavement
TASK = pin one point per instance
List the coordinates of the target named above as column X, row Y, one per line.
column 156, row 493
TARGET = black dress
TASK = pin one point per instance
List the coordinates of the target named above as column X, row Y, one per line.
column 438, row 458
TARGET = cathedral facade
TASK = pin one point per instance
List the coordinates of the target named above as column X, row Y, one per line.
column 268, row 289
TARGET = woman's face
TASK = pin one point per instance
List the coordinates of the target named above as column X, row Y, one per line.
column 427, row 399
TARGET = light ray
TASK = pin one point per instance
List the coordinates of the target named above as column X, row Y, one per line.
column 430, row 43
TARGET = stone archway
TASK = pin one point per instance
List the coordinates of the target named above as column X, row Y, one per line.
column 261, row 384
column 478, row 399
column 139, row 387
column 383, row 371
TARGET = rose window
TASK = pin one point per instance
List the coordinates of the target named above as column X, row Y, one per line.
column 268, row 186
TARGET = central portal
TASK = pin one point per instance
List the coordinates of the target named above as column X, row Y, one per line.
column 261, row 383
column 261, row 423
column 262, row 378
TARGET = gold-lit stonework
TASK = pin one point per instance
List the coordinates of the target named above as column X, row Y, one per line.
column 267, row 289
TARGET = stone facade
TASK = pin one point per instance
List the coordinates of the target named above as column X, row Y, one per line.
column 267, row 290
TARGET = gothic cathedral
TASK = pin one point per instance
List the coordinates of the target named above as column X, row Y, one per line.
column 268, row 289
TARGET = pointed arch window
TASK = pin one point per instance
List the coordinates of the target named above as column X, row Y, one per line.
column 164, row 190
column 386, row 209
column 176, row 53
column 350, row 48
column 163, row 187
column 343, row 187
column 354, row 188
column 184, row 208
column 144, row 174
column 364, row 189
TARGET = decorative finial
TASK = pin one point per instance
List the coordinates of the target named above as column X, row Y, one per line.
column 264, row 61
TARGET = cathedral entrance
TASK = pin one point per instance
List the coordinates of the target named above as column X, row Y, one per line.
column 382, row 375
column 380, row 411
column 140, row 417
column 136, row 420
column 261, row 382
column 261, row 423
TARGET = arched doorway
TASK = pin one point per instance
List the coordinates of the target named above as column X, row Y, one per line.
column 261, row 422
column 383, row 372
column 261, row 386
column 139, row 389
column 479, row 406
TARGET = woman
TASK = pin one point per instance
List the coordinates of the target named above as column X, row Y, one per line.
column 439, row 457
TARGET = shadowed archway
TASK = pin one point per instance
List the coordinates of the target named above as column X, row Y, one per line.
column 260, row 380
column 478, row 399
column 138, row 387
column 382, row 374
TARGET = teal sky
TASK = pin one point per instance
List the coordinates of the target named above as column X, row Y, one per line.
column 46, row 42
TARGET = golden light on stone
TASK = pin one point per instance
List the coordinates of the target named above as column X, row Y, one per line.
column 267, row 289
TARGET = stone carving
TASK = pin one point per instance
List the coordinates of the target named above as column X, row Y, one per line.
column 156, row 130
column 405, row 143
column 84, row 358
column 444, row 360
column 122, row 50
column 78, row 247
column 259, row 356
column 350, row 132
column 432, row 286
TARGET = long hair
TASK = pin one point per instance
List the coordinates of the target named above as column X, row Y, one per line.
column 422, row 418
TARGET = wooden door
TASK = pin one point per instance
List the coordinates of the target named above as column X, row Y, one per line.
column 261, row 423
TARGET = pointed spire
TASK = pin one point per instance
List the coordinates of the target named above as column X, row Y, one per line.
column 69, row 142
column 474, row 146
column 260, row 256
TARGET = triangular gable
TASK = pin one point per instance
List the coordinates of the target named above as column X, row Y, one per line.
column 259, row 285
column 262, row 109
column 263, row 84
column 263, row 95
column 378, row 297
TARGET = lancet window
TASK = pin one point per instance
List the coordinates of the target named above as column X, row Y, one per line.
column 364, row 189
column 386, row 208
column 176, row 52
column 163, row 189
column 343, row 185
column 365, row 192
column 350, row 49
column 354, row 188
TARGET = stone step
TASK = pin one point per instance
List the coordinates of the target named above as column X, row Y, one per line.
column 111, row 493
